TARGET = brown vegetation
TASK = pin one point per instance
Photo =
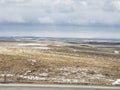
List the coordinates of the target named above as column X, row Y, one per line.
column 69, row 63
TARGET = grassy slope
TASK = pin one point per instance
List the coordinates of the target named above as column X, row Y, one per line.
column 61, row 60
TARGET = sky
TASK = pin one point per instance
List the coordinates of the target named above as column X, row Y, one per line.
column 60, row 18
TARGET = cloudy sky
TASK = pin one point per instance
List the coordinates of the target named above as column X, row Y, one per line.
column 60, row 18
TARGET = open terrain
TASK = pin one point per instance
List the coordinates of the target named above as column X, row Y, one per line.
column 59, row 61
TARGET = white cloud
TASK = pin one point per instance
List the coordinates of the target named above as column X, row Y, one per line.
column 116, row 4
column 84, row 3
column 76, row 12
column 13, row 1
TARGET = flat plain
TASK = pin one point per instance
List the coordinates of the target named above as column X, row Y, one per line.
column 60, row 61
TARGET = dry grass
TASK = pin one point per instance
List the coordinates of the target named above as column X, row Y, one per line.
column 62, row 64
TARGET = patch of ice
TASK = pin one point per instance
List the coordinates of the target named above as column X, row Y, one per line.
column 117, row 82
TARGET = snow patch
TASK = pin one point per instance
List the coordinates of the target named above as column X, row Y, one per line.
column 27, row 72
column 34, row 61
column 41, row 48
column 116, row 52
column 32, row 44
column 31, row 77
column 43, row 74
column 117, row 82
column 7, row 75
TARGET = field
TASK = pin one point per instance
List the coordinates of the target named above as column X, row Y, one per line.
column 59, row 61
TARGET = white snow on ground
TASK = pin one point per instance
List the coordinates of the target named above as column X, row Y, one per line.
column 32, row 44
column 7, row 75
column 116, row 52
column 81, row 74
column 66, row 75
column 31, row 77
column 45, row 48
column 44, row 74
column 34, row 61
column 117, row 82
column 27, row 72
